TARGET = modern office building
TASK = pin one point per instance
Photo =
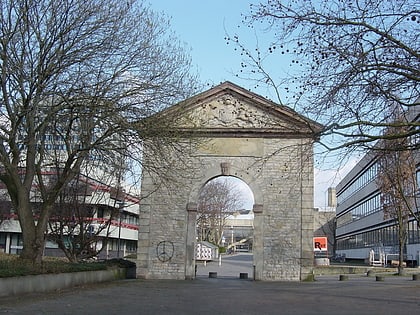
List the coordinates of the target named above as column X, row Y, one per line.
column 95, row 203
column 361, row 225
column 239, row 231
column 118, row 211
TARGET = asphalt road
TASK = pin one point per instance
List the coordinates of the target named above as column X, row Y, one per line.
column 230, row 266
column 228, row 294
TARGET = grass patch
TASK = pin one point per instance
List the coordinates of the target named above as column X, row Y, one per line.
column 12, row 266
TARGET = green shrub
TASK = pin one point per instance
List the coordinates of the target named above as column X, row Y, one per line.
column 12, row 266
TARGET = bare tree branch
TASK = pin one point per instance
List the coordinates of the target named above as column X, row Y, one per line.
column 218, row 199
column 75, row 78
column 352, row 60
column 397, row 183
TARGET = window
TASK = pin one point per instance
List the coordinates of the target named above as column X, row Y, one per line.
column 363, row 180
column 363, row 209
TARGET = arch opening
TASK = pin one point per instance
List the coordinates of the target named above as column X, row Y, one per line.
column 225, row 227
column 249, row 137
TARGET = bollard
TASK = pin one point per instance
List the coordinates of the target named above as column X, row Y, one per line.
column 370, row 273
column 212, row 274
column 343, row 277
column 243, row 275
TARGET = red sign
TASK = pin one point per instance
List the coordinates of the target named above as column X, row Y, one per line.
column 320, row 243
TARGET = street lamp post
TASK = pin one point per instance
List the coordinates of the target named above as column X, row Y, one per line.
column 231, row 241
column 120, row 208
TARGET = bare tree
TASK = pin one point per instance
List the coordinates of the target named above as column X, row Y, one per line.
column 397, row 183
column 218, row 199
column 350, row 60
column 76, row 78
column 81, row 219
column 5, row 207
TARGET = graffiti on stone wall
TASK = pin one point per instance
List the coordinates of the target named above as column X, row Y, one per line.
column 165, row 251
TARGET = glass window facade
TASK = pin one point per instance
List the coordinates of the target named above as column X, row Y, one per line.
column 367, row 207
column 131, row 246
column 2, row 242
column 365, row 178
column 386, row 236
column 358, row 199
column 16, row 243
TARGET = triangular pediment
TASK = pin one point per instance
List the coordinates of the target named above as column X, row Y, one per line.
column 228, row 108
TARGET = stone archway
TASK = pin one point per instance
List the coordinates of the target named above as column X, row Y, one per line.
column 230, row 131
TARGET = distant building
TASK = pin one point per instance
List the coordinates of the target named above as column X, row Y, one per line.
column 103, row 200
column 239, row 231
column 206, row 251
column 325, row 225
column 361, row 227
column 98, row 189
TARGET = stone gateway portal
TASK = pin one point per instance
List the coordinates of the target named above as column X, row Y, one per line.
column 228, row 130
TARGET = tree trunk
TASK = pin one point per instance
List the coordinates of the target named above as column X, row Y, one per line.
column 401, row 260
column 33, row 231
column 402, row 233
column 33, row 246
column 33, row 237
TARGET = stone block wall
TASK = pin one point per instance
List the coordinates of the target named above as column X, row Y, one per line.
column 280, row 174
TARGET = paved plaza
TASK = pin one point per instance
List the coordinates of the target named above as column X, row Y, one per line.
column 227, row 294
column 229, row 266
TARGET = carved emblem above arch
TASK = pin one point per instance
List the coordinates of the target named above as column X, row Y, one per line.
column 228, row 108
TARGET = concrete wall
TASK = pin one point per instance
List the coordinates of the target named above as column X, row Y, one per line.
column 51, row 282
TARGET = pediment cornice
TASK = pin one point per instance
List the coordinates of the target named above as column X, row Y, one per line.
column 228, row 109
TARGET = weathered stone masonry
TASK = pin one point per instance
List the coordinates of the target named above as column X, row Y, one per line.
column 236, row 133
